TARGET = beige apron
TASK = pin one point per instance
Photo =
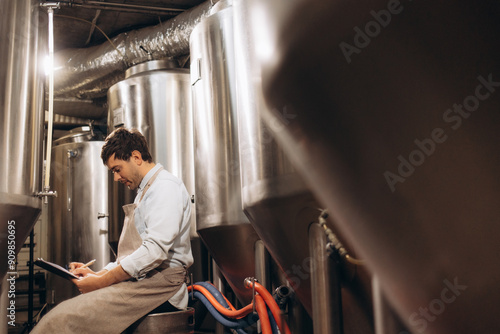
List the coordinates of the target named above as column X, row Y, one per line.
column 130, row 239
column 114, row 308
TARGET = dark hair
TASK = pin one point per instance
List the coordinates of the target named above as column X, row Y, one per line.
column 122, row 143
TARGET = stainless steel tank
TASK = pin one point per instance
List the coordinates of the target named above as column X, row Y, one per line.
column 22, row 39
column 275, row 197
column 77, row 226
column 273, row 194
column 155, row 98
column 221, row 223
column 396, row 132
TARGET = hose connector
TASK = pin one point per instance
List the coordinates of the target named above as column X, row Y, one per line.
column 282, row 295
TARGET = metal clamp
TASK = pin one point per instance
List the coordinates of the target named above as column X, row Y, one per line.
column 250, row 282
column 52, row 5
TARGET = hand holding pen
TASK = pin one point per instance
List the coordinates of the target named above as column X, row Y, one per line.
column 81, row 269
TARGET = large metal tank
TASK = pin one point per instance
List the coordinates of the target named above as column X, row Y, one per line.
column 155, row 98
column 221, row 223
column 396, row 132
column 274, row 197
column 21, row 119
column 277, row 201
column 77, row 227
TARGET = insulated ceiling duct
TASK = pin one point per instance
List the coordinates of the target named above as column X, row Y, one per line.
column 88, row 73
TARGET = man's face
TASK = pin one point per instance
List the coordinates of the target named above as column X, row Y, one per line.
column 126, row 172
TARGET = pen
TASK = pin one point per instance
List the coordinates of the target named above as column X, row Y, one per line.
column 88, row 264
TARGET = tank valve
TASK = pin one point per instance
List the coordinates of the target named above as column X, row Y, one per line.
column 46, row 194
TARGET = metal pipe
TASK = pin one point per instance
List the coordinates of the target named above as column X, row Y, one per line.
column 262, row 264
column 325, row 285
column 217, row 280
column 50, row 11
column 31, row 280
column 172, row 12
column 123, row 7
column 92, row 28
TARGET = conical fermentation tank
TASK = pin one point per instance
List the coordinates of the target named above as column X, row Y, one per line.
column 155, row 98
column 221, row 223
column 78, row 226
column 275, row 197
column 399, row 139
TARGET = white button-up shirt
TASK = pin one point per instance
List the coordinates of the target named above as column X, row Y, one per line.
column 162, row 220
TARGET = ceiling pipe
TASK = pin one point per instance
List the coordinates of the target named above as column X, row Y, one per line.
column 124, row 7
column 89, row 72
column 120, row 7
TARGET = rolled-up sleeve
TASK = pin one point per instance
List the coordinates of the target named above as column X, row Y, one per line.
column 110, row 266
column 158, row 219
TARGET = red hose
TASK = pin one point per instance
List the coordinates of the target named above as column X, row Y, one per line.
column 262, row 297
column 275, row 310
column 261, row 308
column 224, row 311
column 227, row 301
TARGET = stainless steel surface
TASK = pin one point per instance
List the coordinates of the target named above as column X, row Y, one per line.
column 262, row 265
column 218, row 183
column 180, row 322
column 217, row 282
column 158, row 65
column 274, row 197
column 89, row 72
column 221, row 222
column 231, row 246
column 360, row 116
column 79, row 135
column 325, row 285
column 75, row 232
column 64, row 123
column 21, row 100
column 155, row 98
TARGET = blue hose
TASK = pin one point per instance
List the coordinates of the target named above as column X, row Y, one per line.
column 274, row 325
column 215, row 292
column 237, row 324
column 245, row 322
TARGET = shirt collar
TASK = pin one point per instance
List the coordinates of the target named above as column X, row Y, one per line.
column 148, row 176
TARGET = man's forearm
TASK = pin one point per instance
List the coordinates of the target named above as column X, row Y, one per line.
column 101, row 279
column 115, row 275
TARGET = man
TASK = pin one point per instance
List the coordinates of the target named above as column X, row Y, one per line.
column 153, row 252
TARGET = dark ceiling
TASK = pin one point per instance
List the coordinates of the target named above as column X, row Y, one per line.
column 111, row 16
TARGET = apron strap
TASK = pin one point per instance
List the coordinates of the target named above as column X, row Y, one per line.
column 151, row 180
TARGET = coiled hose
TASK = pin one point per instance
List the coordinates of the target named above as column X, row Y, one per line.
column 225, row 313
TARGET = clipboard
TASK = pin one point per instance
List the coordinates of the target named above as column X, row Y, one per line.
column 55, row 269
